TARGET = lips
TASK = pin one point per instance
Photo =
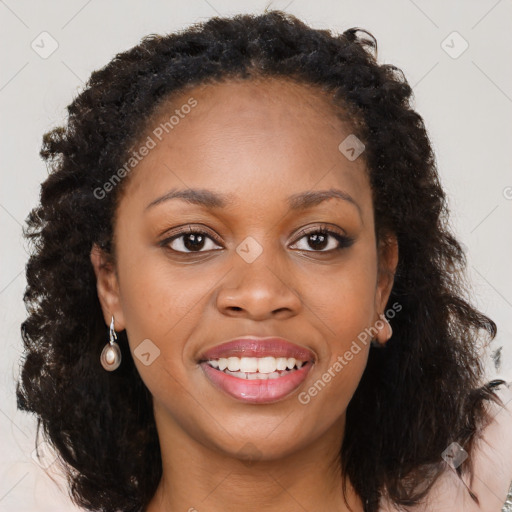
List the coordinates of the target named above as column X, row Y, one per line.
column 257, row 370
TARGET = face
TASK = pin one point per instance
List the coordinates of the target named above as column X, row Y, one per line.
column 247, row 257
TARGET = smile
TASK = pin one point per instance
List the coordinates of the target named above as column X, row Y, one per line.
column 257, row 370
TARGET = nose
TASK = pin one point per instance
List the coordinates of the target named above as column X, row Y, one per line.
column 261, row 292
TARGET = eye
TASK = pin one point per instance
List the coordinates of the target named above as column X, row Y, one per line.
column 190, row 240
column 323, row 239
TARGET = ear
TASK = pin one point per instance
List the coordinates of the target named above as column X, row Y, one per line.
column 387, row 263
column 108, row 287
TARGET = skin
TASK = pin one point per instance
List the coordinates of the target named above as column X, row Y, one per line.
column 260, row 142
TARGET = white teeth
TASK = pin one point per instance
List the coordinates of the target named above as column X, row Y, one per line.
column 248, row 364
column 281, row 363
column 267, row 364
column 240, row 375
column 233, row 364
column 255, row 367
column 253, row 376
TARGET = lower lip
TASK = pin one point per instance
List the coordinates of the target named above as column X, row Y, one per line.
column 257, row 391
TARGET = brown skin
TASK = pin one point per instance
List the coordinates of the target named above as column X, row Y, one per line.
column 261, row 143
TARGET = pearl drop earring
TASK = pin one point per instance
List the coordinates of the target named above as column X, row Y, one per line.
column 111, row 354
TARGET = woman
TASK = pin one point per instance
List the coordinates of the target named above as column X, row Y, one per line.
column 244, row 294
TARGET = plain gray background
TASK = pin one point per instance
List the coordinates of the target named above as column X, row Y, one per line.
column 463, row 94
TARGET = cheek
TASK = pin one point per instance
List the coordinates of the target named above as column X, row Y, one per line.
column 159, row 300
column 160, row 311
column 343, row 300
column 337, row 377
column 163, row 305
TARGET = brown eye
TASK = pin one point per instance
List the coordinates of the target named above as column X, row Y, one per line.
column 324, row 240
column 190, row 241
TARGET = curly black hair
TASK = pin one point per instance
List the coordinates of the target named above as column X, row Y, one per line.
column 424, row 390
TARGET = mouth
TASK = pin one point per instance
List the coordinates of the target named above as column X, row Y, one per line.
column 259, row 370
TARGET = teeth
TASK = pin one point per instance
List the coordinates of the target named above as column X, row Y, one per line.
column 261, row 366
column 282, row 363
column 291, row 362
column 233, row 364
column 254, row 375
column 267, row 364
column 240, row 375
column 248, row 364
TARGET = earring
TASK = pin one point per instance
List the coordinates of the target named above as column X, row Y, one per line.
column 379, row 342
column 111, row 354
column 375, row 343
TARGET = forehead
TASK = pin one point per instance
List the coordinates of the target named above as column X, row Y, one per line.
column 250, row 138
column 268, row 102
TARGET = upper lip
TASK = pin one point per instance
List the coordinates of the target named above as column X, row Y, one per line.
column 253, row 346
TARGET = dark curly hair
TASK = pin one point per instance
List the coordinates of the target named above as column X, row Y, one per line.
column 416, row 396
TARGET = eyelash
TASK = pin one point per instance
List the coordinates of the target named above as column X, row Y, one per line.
column 343, row 240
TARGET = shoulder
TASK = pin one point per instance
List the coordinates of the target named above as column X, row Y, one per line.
column 492, row 463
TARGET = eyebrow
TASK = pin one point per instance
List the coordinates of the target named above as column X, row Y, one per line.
column 213, row 200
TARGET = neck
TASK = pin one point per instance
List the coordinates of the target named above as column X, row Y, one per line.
column 196, row 478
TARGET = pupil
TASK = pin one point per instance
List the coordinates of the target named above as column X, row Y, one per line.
column 194, row 241
column 316, row 238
